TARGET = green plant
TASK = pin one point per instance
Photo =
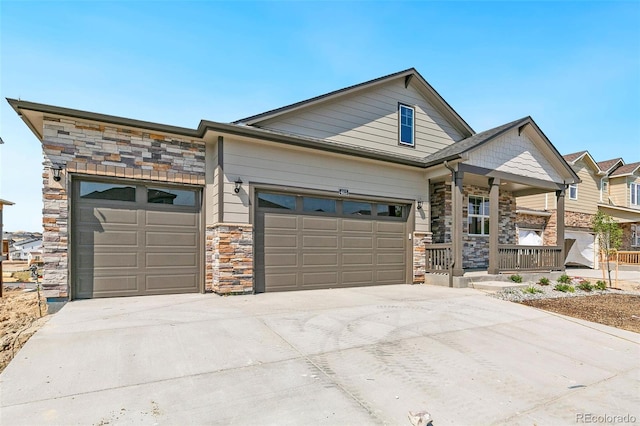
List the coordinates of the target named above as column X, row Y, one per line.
column 532, row 290
column 564, row 279
column 601, row 285
column 609, row 234
column 516, row 278
column 565, row 288
column 544, row 281
column 585, row 285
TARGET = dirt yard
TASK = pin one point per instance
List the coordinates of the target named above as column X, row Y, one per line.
column 19, row 320
column 616, row 310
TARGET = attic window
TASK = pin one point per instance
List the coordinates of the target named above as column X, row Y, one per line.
column 406, row 125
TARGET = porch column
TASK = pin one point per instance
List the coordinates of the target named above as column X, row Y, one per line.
column 560, row 224
column 494, row 225
column 456, row 225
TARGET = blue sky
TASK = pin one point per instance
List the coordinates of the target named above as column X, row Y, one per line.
column 573, row 66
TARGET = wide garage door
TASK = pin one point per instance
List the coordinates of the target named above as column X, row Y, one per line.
column 133, row 239
column 311, row 242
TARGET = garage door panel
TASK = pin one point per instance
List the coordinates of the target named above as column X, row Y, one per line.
column 281, row 259
column 280, row 281
column 320, row 259
column 113, row 285
column 357, row 259
column 272, row 221
column 122, row 238
column 320, row 241
column 349, row 242
column 171, row 239
column 108, row 260
column 171, row 283
column 391, row 259
column 390, row 275
column 280, row 240
column 319, row 224
column 390, row 242
column 319, row 278
column 171, row 260
column 357, row 277
column 102, row 215
column 393, row 227
column 357, row 225
column 174, row 219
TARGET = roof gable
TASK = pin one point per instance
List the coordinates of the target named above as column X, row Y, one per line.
column 407, row 77
column 608, row 165
column 626, row 170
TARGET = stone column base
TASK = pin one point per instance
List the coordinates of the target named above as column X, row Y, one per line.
column 419, row 260
column 229, row 259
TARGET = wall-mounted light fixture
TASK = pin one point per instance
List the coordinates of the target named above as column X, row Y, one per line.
column 56, row 169
column 419, row 205
column 238, row 183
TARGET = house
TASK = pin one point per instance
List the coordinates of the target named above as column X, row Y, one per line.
column 377, row 183
column 20, row 250
column 610, row 186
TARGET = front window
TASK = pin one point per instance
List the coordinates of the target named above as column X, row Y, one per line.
column 406, row 125
column 635, row 194
column 478, row 216
column 635, row 235
column 573, row 192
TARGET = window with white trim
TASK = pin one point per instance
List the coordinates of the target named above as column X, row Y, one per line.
column 635, row 235
column 634, row 189
column 478, row 215
column 604, row 189
column 573, row 191
column 406, row 120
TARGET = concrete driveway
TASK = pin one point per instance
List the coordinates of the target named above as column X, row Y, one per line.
column 349, row 356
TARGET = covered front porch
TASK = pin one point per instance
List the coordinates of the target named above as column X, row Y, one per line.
column 472, row 201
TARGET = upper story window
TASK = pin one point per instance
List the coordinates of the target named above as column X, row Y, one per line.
column 478, row 215
column 635, row 194
column 604, row 189
column 406, row 125
column 573, row 192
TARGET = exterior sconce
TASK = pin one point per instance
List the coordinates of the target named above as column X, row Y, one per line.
column 419, row 205
column 56, row 169
column 238, row 183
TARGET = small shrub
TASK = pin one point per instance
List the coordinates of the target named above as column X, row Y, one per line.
column 532, row 290
column 516, row 278
column 585, row 285
column 601, row 285
column 544, row 281
column 565, row 288
column 564, row 279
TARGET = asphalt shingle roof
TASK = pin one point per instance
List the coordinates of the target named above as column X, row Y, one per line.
column 607, row 164
column 626, row 169
column 572, row 157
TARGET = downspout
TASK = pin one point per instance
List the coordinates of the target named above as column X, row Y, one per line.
column 453, row 258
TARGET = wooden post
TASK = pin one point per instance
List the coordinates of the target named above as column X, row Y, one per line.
column 494, row 225
column 456, row 233
column 560, row 225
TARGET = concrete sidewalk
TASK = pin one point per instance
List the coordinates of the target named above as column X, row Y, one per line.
column 349, row 356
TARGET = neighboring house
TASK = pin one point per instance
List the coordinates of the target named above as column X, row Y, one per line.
column 20, row 250
column 366, row 185
column 610, row 186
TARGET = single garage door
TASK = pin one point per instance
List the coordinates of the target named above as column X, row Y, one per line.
column 582, row 251
column 132, row 239
column 311, row 242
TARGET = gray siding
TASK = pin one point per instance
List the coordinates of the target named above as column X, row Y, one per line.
column 370, row 119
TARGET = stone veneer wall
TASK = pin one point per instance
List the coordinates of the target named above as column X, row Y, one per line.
column 573, row 221
column 91, row 149
column 419, row 241
column 229, row 259
column 476, row 248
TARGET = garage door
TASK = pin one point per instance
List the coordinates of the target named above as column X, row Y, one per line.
column 582, row 251
column 131, row 239
column 310, row 242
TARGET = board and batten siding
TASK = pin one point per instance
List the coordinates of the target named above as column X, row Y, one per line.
column 536, row 202
column 370, row 119
column 588, row 190
column 309, row 169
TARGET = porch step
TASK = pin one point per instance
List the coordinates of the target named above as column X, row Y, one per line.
column 495, row 285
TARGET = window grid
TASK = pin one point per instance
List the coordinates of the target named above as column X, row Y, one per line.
column 406, row 125
column 478, row 215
